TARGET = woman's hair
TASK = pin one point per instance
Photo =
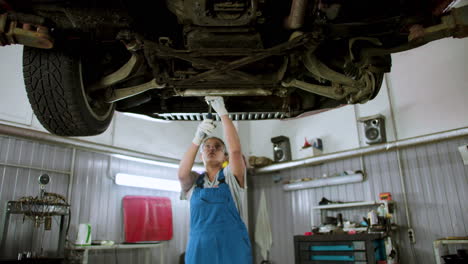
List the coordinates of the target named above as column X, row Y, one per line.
column 217, row 138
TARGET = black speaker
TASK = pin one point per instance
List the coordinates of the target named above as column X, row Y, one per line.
column 374, row 129
column 281, row 149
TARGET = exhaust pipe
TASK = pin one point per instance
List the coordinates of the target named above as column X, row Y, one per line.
column 225, row 92
column 296, row 16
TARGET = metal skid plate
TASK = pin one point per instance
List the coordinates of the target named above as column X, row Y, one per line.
column 233, row 116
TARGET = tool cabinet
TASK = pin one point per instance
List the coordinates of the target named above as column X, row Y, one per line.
column 342, row 248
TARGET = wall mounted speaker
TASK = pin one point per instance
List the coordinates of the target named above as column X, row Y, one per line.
column 281, row 149
column 374, row 129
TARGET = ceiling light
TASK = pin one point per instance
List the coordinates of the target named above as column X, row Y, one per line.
column 147, row 161
column 147, row 182
column 196, row 167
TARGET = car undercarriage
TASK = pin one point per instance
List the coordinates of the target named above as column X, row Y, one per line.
column 268, row 59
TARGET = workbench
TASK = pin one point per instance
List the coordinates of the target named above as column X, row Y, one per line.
column 441, row 249
column 44, row 209
column 79, row 254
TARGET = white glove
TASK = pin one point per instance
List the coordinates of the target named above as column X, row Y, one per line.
column 217, row 102
column 204, row 129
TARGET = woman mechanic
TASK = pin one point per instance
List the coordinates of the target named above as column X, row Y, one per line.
column 217, row 197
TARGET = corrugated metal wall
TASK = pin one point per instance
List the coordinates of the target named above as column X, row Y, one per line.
column 437, row 188
column 435, row 178
column 18, row 182
column 95, row 199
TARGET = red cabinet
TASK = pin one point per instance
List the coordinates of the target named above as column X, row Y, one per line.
column 147, row 218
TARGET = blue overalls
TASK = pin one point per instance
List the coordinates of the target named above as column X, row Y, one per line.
column 217, row 233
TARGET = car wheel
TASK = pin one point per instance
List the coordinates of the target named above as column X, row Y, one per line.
column 56, row 90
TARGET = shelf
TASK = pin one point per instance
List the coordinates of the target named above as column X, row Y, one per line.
column 323, row 182
column 81, row 253
column 344, row 205
column 117, row 246
column 44, row 209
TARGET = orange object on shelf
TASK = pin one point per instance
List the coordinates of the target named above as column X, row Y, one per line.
column 386, row 196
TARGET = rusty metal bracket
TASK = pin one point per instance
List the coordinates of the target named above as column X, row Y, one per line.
column 276, row 50
column 455, row 24
column 13, row 32
column 163, row 51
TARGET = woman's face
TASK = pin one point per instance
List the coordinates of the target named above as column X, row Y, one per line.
column 213, row 152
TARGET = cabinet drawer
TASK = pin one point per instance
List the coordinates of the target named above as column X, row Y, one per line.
column 333, row 246
column 333, row 255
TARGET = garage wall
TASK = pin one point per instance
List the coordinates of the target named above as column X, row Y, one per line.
column 19, row 182
column 436, row 183
column 437, row 189
column 95, row 198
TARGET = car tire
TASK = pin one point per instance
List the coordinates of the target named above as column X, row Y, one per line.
column 56, row 90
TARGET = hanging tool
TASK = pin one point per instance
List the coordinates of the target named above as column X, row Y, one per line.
column 210, row 115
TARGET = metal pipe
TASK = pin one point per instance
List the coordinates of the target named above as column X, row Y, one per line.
column 367, row 150
column 71, row 177
column 400, row 171
column 79, row 144
column 296, row 16
column 33, row 168
column 361, row 157
column 226, row 92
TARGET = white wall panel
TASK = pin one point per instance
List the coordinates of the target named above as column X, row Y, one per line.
column 428, row 87
column 336, row 128
column 14, row 104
